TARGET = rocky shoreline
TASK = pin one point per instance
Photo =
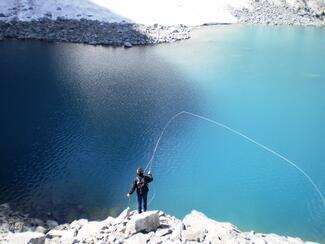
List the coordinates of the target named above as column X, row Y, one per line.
column 130, row 228
column 18, row 23
column 92, row 32
column 128, row 34
column 269, row 13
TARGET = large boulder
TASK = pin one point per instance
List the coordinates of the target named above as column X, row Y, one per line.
column 64, row 235
column 213, row 239
column 90, row 229
column 26, row 238
column 193, row 234
column 77, row 224
column 148, row 221
column 138, row 238
column 177, row 232
column 198, row 224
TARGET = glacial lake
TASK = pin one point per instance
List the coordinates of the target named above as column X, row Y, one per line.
column 77, row 120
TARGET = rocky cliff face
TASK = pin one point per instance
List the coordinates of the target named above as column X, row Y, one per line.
column 132, row 228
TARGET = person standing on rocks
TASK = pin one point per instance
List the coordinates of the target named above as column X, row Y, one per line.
column 141, row 185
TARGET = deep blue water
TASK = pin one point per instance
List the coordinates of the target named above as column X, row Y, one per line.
column 77, row 120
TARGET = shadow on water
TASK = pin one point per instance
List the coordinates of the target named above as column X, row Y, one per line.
column 76, row 122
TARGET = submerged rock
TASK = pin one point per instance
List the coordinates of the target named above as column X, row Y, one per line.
column 51, row 223
column 40, row 229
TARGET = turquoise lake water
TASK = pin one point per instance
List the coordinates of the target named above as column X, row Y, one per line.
column 77, row 120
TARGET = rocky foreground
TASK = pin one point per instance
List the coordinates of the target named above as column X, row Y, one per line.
column 130, row 228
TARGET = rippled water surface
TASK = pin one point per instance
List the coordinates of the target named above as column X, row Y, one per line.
column 77, row 120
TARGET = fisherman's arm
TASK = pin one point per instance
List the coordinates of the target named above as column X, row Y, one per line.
column 149, row 177
column 134, row 186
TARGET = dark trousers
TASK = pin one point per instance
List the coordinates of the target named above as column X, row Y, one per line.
column 142, row 198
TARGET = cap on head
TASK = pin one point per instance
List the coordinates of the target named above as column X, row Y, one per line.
column 140, row 171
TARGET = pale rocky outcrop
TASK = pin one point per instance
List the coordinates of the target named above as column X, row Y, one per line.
column 152, row 227
column 26, row 238
column 138, row 238
column 91, row 229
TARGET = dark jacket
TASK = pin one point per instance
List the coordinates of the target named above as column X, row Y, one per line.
column 141, row 184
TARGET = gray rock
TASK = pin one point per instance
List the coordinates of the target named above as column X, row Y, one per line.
column 90, row 229
column 148, row 221
column 213, row 239
column 109, row 220
column 4, row 227
column 177, row 233
column 163, row 232
column 26, row 238
column 193, row 234
column 124, row 215
column 18, row 226
column 259, row 240
column 155, row 240
column 127, row 44
column 51, row 224
column 138, row 238
column 66, row 236
column 36, row 221
column 198, row 221
column 40, row 229
column 77, row 224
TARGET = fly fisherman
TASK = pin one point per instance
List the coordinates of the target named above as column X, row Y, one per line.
column 141, row 185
